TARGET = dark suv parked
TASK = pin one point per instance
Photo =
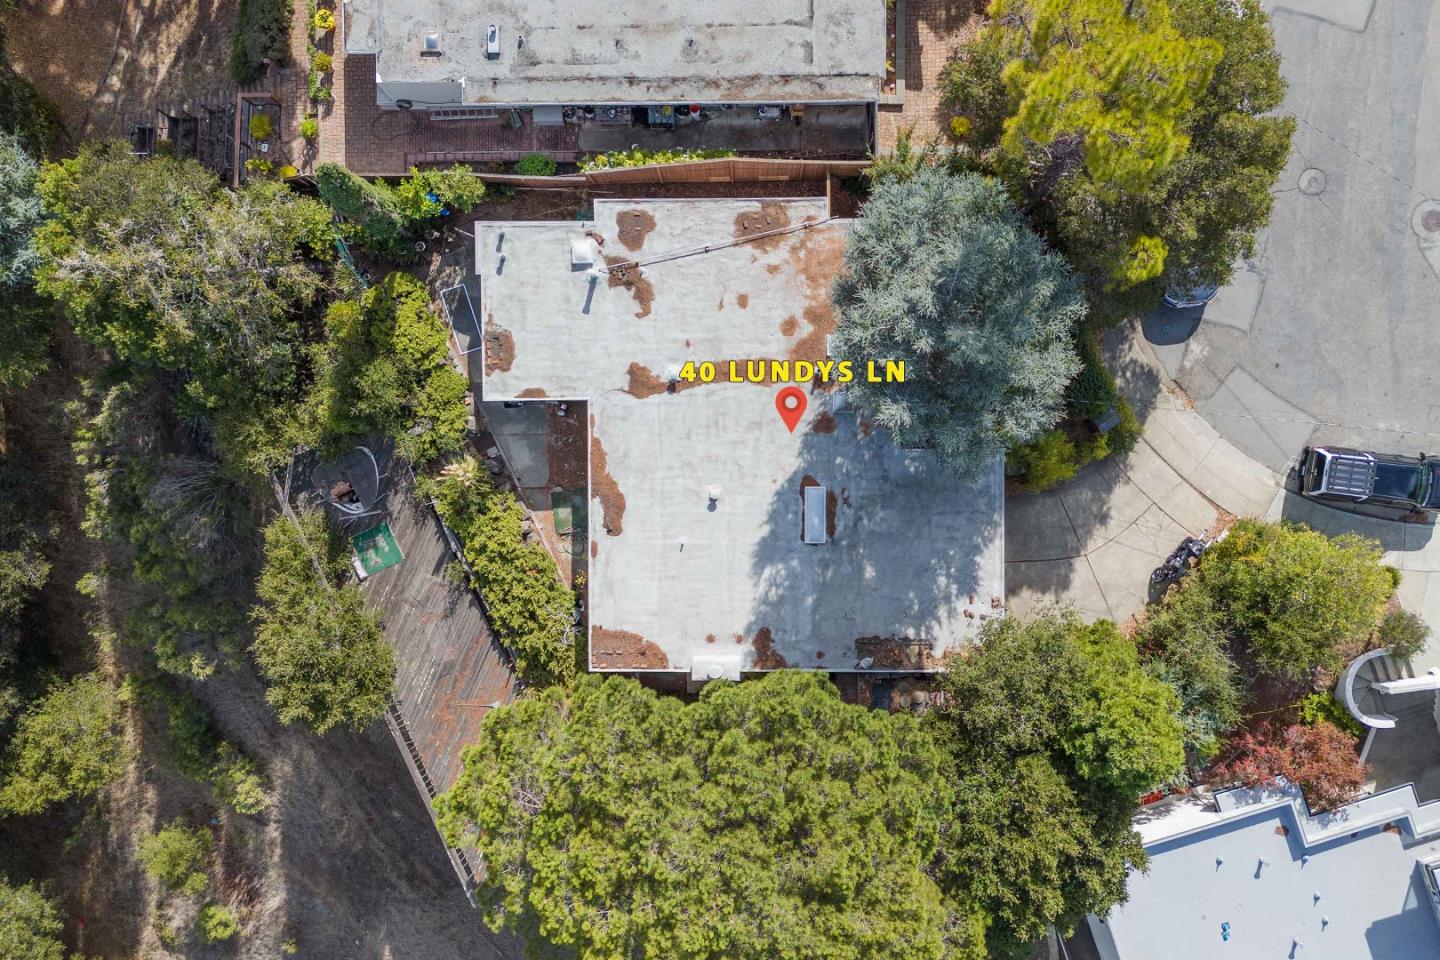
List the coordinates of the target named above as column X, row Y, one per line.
column 1354, row 476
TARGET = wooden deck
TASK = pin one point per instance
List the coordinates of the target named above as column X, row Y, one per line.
column 449, row 669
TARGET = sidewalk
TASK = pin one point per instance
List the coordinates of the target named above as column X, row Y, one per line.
column 1093, row 541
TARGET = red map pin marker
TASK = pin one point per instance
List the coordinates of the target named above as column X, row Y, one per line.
column 790, row 402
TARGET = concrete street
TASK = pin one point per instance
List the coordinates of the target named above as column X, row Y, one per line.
column 1329, row 334
column 1093, row 541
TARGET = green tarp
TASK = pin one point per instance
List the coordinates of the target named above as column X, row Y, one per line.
column 376, row 549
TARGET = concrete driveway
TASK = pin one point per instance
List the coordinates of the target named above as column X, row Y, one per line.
column 1332, row 333
column 1092, row 542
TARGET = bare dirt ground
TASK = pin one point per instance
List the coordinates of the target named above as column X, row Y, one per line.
column 104, row 63
column 345, row 860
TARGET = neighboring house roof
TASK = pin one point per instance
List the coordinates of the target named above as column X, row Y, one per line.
column 1347, row 885
column 672, row 51
column 914, row 558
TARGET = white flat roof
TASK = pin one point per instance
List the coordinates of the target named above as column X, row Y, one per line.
column 676, row 51
column 914, row 560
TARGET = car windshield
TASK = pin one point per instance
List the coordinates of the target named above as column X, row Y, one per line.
column 1400, row 481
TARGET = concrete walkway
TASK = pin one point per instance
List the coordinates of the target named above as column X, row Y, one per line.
column 1093, row 541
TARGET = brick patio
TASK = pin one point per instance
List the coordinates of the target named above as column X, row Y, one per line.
column 354, row 131
column 933, row 30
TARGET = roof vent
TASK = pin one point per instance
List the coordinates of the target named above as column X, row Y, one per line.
column 432, row 45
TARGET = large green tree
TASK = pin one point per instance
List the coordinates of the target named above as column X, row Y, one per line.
column 389, row 372
column 767, row 820
column 69, row 743
column 1205, row 208
column 158, row 264
column 321, row 651
column 1182, row 96
column 30, row 926
column 1105, row 82
column 1189, row 648
column 24, row 320
column 943, row 273
column 1052, row 730
column 1297, row 599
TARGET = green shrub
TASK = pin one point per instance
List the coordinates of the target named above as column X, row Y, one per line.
column 262, row 31
column 1093, row 394
column 238, row 782
column 1049, row 461
column 536, row 165
column 321, row 62
column 69, row 743
column 323, row 19
column 176, row 857
column 427, row 194
column 218, row 923
column 199, row 753
column 1187, row 647
column 309, row 128
column 644, row 158
column 1322, row 707
column 372, row 207
column 391, row 372
column 261, row 126
column 30, row 925
column 318, row 90
column 529, row 607
column 320, row 649
column 1403, row 634
column 1297, row 599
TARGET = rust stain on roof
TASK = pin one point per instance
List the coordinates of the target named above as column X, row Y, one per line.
column 742, row 300
column 824, row 422
column 644, row 383
column 531, row 393
column 898, row 653
column 635, row 226
column 622, row 649
column 769, row 216
column 604, row 488
column 817, row 260
column 789, row 325
column 766, row 656
column 499, row 346
column 625, row 273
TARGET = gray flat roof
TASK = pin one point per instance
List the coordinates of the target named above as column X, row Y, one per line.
column 675, row 51
column 1353, row 890
column 680, row 581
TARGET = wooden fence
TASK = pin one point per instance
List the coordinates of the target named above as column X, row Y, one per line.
column 724, row 170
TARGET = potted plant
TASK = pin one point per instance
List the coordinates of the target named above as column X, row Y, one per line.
column 324, row 20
